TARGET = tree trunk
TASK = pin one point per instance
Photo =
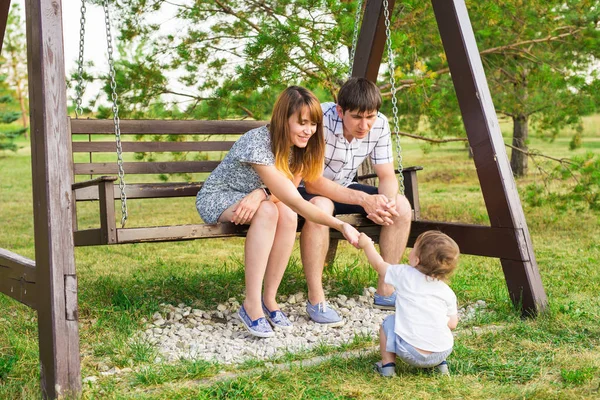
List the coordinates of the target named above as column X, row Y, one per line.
column 364, row 169
column 518, row 159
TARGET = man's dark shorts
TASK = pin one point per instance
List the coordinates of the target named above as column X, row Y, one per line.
column 341, row 208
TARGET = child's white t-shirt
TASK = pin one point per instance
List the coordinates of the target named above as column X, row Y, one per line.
column 423, row 307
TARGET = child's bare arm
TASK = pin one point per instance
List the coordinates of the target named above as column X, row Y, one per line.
column 453, row 321
column 376, row 261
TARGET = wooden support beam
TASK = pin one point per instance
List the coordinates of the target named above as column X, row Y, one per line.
column 52, row 201
column 17, row 278
column 371, row 40
column 4, row 10
column 493, row 169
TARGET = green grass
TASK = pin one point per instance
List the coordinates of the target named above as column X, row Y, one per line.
column 498, row 355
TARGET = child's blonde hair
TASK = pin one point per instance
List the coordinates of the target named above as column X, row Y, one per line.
column 438, row 254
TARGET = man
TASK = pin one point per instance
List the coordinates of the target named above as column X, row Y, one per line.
column 354, row 130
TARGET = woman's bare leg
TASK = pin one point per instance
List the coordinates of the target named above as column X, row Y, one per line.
column 259, row 242
column 283, row 244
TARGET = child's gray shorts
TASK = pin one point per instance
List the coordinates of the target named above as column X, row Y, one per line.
column 406, row 352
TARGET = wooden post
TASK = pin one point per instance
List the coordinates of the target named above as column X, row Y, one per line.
column 53, row 222
column 493, row 169
column 4, row 10
column 371, row 40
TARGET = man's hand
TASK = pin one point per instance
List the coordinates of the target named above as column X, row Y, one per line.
column 247, row 207
column 379, row 209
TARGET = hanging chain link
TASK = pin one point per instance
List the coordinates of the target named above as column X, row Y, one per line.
column 355, row 33
column 79, row 88
column 115, row 108
column 392, row 68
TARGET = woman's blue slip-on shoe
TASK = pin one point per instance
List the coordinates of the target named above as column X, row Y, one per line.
column 259, row 327
column 385, row 302
column 323, row 314
column 277, row 318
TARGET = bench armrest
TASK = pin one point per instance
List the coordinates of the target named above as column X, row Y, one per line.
column 411, row 189
column 93, row 182
column 106, row 205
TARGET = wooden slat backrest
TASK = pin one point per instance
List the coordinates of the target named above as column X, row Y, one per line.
column 191, row 137
column 162, row 127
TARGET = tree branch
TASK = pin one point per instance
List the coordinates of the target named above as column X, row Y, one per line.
column 514, row 46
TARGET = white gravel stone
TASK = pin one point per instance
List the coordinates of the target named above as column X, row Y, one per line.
column 193, row 334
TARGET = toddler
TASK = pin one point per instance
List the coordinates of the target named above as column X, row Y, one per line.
column 420, row 331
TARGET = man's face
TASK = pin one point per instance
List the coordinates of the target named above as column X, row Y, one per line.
column 356, row 124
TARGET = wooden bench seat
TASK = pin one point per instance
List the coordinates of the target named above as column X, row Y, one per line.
column 208, row 140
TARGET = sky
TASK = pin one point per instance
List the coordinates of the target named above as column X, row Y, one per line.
column 95, row 38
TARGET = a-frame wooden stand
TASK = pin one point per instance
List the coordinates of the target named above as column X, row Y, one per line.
column 50, row 285
column 508, row 236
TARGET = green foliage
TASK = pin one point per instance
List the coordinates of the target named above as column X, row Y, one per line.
column 232, row 59
column 584, row 191
column 8, row 115
column 577, row 376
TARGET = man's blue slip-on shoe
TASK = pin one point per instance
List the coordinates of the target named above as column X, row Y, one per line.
column 385, row 302
column 323, row 314
column 259, row 327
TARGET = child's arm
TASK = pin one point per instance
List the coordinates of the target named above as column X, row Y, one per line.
column 365, row 243
column 453, row 321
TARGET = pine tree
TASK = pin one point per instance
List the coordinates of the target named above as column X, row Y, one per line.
column 9, row 113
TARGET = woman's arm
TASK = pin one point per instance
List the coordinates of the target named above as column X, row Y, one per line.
column 285, row 191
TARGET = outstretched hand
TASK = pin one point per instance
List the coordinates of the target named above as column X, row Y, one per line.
column 380, row 209
column 364, row 241
column 350, row 233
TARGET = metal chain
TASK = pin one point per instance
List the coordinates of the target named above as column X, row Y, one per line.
column 113, row 86
column 395, row 120
column 355, row 33
column 79, row 88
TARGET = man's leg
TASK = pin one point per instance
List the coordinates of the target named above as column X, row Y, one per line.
column 393, row 238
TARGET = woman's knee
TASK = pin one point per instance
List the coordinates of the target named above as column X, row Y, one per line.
column 267, row 211
column 287, row 216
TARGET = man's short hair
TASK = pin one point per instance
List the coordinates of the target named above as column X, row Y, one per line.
column 359, row 94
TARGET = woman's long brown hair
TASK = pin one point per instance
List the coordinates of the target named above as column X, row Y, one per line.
column 289, row 159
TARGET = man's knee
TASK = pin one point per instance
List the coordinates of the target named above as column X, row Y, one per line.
column 403, row 207
column 323, row 203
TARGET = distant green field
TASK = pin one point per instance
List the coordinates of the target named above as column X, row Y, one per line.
column 555, row 356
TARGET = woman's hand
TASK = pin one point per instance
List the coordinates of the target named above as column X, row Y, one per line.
column 247, row 207
column 350, row 233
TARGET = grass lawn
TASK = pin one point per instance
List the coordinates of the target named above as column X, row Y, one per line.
column 497, row 355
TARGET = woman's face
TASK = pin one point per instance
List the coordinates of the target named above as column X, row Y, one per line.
column 301, row 127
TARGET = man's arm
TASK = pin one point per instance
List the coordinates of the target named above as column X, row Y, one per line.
column 334, row 191
column 388, row 184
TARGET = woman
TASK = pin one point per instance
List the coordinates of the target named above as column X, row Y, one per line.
column 270, row 159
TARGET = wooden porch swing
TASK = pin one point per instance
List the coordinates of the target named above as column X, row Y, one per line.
column 49, row 285
column 196, row 137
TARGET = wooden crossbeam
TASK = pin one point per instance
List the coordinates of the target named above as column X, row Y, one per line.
column 17, row 278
